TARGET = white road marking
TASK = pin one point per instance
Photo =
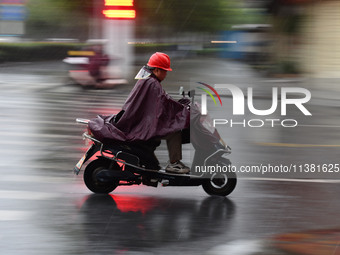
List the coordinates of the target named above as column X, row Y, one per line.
column 10, row 215
column 36, row 179
column 26, row 195
column 290, row 180
column 239, row 247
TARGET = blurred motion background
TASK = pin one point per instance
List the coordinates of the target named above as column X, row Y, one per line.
column 276, row 37
column 248, row 43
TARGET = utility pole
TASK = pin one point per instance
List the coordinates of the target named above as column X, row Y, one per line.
column 118, row 30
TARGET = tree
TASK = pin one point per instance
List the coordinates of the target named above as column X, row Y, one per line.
column 65, row 18
column 62, row 18
column 182, row 16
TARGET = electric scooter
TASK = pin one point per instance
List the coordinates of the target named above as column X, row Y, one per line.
column 122, row 163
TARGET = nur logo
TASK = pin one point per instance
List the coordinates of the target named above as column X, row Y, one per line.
column 288, row 97
column 204, row 97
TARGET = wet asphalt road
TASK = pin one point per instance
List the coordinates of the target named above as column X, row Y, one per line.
column 45, row 209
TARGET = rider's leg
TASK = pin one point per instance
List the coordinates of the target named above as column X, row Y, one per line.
column 174, row 143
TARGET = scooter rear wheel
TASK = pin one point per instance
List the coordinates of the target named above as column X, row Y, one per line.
column 91, row 180
column 220, row 184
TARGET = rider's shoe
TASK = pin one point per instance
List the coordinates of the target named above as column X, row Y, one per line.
column 177, row 167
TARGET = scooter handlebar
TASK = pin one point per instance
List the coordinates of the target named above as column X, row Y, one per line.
column 191, row 93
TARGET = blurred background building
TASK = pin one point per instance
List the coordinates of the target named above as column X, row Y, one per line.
column 13, row 14
column 307, row 35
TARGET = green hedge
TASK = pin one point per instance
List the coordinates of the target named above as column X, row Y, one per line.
column 39, row 51
column 42, row 51
column 35, row 51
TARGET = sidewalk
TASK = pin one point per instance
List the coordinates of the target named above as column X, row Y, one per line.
column 315, row 242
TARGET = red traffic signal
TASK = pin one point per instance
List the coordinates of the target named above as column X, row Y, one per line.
column 119, row 9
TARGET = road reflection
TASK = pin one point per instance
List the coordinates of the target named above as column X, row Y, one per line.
column 131, row 223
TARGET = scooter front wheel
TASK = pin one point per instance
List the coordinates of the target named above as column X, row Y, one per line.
column 91, row 180
column 220, row 184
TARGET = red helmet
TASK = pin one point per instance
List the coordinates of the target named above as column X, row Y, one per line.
column 160, row 60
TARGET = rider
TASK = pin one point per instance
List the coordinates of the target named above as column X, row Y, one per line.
column 149, row 112
column 96, row 62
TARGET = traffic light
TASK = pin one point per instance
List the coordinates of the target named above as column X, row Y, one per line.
column 119, row 9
